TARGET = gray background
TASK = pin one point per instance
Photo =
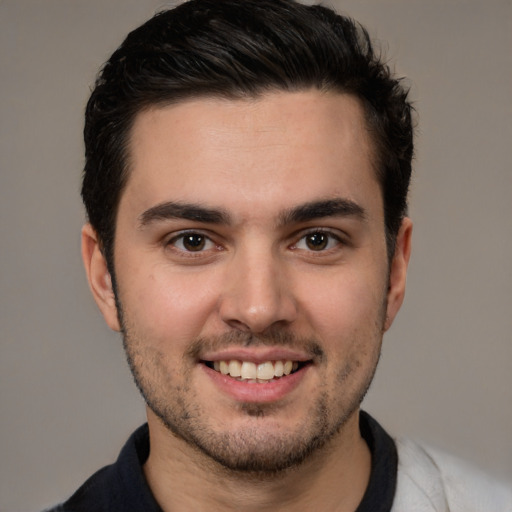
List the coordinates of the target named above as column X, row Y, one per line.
column 67, row 400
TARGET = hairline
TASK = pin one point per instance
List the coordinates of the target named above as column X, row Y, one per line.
column 238, row 95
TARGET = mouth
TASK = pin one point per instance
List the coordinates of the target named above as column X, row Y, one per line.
column 256, row 373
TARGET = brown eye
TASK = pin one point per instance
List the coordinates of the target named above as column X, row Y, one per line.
column 317, row 241
column 192, row 242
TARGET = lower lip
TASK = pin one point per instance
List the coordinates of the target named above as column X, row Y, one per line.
column 244, row 391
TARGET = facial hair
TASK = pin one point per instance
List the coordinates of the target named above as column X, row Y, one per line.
column 255, row 449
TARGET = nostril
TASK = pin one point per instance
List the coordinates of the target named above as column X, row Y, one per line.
column 255, row 295
column 238, row 325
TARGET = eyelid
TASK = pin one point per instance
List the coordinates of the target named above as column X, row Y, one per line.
column 180, row 235
column 334, row 235
column 171, row 239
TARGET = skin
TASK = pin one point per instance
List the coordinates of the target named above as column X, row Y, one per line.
column 270, row 282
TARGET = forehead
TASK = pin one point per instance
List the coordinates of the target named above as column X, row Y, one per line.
column 279, row 148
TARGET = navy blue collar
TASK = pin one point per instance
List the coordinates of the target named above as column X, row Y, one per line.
column 123, row 487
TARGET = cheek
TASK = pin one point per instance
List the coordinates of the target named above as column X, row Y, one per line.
column 344, row 304
column 167, row 305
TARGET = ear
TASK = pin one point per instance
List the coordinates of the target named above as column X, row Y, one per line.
column 98, row 276
column 398, row 271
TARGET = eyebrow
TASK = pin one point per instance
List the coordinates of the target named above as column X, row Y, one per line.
column 188, row 211
column 302, row 213
column 338, row 207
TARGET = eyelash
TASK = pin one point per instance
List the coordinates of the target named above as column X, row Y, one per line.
column 210, row 244
column 181, row 237
column 331, row 237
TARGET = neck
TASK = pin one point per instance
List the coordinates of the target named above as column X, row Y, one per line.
column 332, row 479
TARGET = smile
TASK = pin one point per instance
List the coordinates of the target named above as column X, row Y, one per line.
column 254, row 373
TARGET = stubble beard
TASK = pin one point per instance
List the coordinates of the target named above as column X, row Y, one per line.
column 255, row 450
column 252, row 451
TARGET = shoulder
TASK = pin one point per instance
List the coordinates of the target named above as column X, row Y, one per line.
column 430, row 480
column 94, row 494
column 119, row 486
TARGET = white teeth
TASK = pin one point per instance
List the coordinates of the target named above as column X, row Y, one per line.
column 265, row 371
column 252, row 373
column 248, row 370
column 224, row 368
column 235, row 368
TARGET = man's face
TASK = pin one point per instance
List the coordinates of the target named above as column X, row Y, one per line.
column 250, row 238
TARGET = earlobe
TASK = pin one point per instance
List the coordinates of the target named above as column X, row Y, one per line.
column 398, row 271
column 98, row 276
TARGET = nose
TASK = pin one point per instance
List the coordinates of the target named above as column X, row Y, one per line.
column 257, row 295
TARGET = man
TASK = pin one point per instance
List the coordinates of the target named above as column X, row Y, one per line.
column 247, row 168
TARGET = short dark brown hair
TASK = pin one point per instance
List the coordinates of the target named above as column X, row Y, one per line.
column 237, row 49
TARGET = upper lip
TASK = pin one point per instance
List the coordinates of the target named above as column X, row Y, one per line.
column 256, row 355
